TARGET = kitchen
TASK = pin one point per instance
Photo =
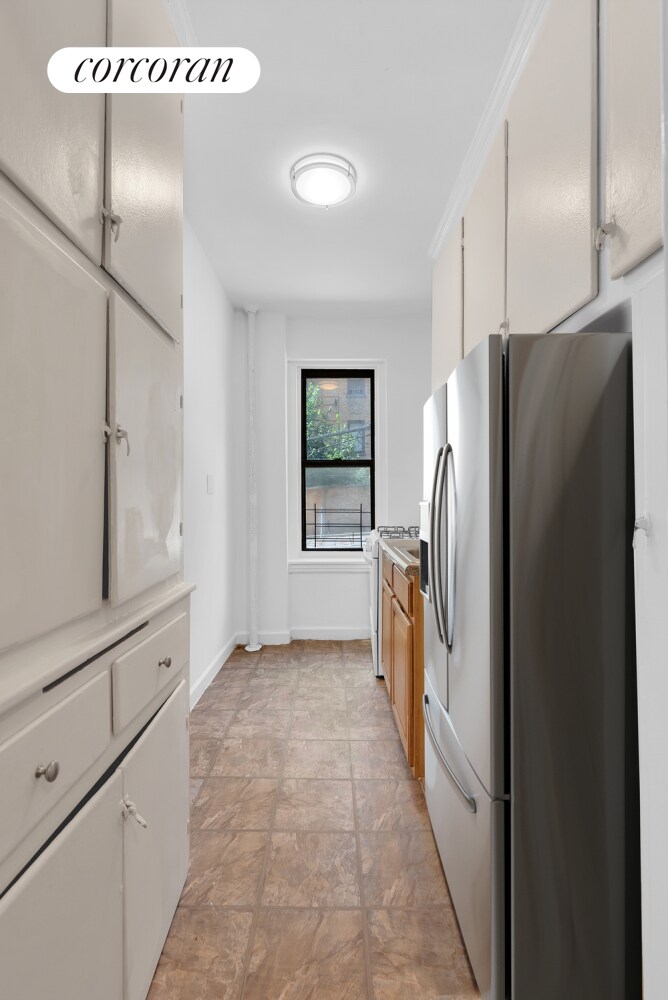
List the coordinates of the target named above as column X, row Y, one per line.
column 349, row 319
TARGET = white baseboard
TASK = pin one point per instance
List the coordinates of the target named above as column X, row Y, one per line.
column 198, row 688
column 327, row 632
column 264, row 638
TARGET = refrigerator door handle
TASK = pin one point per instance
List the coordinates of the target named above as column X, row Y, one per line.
column 450, row 546
column 434, row 518
column 468, row 799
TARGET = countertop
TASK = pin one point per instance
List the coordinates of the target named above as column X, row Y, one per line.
column 398, row 550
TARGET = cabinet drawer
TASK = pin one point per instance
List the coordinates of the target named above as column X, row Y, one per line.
column 387, row 569
column 74, row 733
column 139, row 674
column 403, row 588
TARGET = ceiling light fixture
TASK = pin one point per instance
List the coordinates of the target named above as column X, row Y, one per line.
column 323, row 179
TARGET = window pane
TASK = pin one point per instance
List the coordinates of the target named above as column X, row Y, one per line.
column 332, row 406
column 338, row 507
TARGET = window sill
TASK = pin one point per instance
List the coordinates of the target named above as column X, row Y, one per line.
column 320, row 565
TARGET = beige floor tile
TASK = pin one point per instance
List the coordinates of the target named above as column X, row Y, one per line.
column 202, row 756
column 317, row 759
column 418, row 953
column 324, row 668
column 319, row 724
column 209, row 723
column 320, row 696
column 307, row 955
column 390, row 805
column 225, row 868
column 314, row 804
column 367, row 727
column 259, row 722
column 354, row 678
column 204, row 956
column 234, row 804
column 248, row 757
column 272, row 679
column 372, row 700
column 312, row 869
column 223, row 696
column 379, row 759
column 195, row 785
column 279, row 699
column 402, row 869
column 231, row 673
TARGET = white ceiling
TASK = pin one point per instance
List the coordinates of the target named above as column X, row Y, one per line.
column 396, row 86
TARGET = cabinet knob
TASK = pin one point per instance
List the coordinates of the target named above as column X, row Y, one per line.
column 48, row 771
column 165, row 662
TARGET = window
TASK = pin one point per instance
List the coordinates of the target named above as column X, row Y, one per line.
column 338, row 441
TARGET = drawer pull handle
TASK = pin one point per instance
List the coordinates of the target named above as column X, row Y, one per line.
column 166, row 661
column 130, row 809
column 48, row 771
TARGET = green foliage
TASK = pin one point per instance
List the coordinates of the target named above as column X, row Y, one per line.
column 326, row 437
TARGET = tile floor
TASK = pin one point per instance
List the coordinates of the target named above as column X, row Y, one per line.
column 313, row 872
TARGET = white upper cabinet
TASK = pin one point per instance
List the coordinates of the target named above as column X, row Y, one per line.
column 446, row 307
column 144, row 175
column 145, row 453
column 633, row 131
column 485, row 249
column 53, row 336
column 552, row 172
column 155, row 855
column 51, row 143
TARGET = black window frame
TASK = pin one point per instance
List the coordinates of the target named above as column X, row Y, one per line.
column 363, row 463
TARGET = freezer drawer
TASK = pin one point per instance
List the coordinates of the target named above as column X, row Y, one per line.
column 470, row 844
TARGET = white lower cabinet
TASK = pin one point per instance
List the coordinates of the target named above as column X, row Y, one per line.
column 88, row 918
column 155, row 856
column 61, row 924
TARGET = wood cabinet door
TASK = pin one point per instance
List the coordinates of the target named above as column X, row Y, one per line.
column 52, row 414
column 51, row 143
column 485, row 249
column 61, row 923
column 402, row 676
column 553, row 172
column 633, row 131
column 447, row 303
column 144, row 175
column 386, row 636
column 155, row 856
column 145, row 453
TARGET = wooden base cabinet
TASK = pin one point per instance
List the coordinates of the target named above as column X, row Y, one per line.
column 403, row 659
column 88, row 918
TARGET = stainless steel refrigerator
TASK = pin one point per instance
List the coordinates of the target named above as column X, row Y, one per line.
column 530, row 707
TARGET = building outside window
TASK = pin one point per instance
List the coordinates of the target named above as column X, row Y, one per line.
column 338, row 448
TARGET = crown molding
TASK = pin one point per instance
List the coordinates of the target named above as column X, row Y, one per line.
column 180, row 17
column 525, row 32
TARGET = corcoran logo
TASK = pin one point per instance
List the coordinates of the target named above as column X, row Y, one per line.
column 153, row 70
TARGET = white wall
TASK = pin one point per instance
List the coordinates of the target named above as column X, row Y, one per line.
column 329, row 595
column 214, row 412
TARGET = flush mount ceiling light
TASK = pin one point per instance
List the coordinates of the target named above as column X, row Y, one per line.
column 329, row 386
column 323, row 179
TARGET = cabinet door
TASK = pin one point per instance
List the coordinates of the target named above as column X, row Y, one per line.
column 155, row 856
column 485, row 249
column 447, row 291
column 386, row 637
column 402, row 676
column 633, row 131
column 145, row 466
column 144, row 175
column 51, row 143
column 552, row 172
column 61, row 923
column 52, row 413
